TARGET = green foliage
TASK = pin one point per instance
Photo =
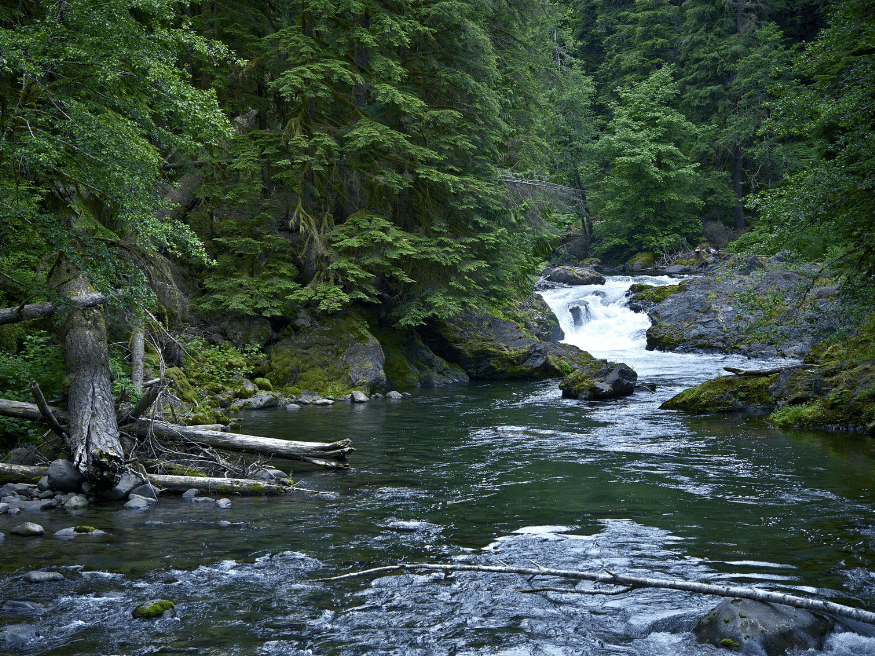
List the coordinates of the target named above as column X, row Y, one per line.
column 85, row 122
column 647, row 189
column 222, row 363
column 38, row 359
column 829, row 203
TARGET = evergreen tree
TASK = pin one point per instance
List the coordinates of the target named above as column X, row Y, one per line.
column 647, row 190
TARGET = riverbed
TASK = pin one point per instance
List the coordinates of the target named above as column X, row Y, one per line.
column 499, row 473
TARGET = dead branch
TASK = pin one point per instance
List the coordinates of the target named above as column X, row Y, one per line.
column 38, row 310
column 45, row 410
column 755, row 594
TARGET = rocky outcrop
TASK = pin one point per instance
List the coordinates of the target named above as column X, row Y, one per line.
column 568, row 275
column 491, row 348
column 539, row 319
column 745, row 626
column 748, row 305
column 410, row 363
column 339, row 353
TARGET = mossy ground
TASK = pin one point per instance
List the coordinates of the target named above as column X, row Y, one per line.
column 652, row 293
column 724, row 394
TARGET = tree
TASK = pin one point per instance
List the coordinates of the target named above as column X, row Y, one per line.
column 85, row 122
column 829, row 204
column 647, row 189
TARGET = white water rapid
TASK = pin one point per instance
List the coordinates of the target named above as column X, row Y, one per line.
column 597, row 319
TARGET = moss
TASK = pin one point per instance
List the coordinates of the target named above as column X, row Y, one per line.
column 729, row 643
column 263, row 384
column 724, row 394
column 652, row 293
column 644, row 260
column 84, row 529
column 152, row 609
column 183, row 387
column 178, row 470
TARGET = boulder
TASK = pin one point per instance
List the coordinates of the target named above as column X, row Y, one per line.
column 340, row 352
column 540, row 320
column 394, row 395
column 409, row 362
column 609, row 381
column 146, row 490
column 76, row 502
column 491, row 348
column 39, row 576
column 260, row 401
column 28, row 529
column 243, row 332
column 153, row 609
column 64, row 476
column 127, row 483
column 753, row 627
column 359, row 397
column 136, row 502
column 223, row 503
column 568, row 275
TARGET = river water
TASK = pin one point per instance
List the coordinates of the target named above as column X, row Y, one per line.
column 500, row 473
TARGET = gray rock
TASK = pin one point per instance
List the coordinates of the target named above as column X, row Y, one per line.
column 43, row 577
column 292, row 407
column 243, row 332
column 359, row 397
column 48, row 504
column 540, row 320
column 43, row 484
column 146, row 490
column 394, row 395
column 376, row 396
column 23, row 455
column 76, row 502
column 15, row 637
column 2, row 537
column 580, row 314
column 14, row 511
column 21, row 607
column 4, row 508
column 152, row 501
column 201, row 500
column 568, row 275
column 47, row 494
column 191, row 493
column 262, row 400
column 754, row 627
column 71, row 532
column 606, row 382
column 13, row 489
column 223, row 503
column 64, row 476
column 269, row 474
column 139, row 503
column 128, row 482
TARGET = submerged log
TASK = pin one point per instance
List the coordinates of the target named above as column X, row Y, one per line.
column 329, row 455
column 632, row 582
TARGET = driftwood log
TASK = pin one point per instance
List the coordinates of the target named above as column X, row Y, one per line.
column 763, row 372
column 610, row 578
column 329, row 455
column 173, row 484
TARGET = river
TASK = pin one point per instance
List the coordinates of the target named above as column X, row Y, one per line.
column 500, row 473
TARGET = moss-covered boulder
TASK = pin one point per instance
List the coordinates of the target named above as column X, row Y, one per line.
column 539, row 319
column 492, row 348
column 643, row 298
column 410, row 363
column 641, row 261
column 605, row 380
column 152, row 609
column 329, row 357
column 570, row 275
column 726, row 394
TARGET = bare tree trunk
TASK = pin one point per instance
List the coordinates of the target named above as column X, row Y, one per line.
column 94, row 436
column 138, row 353
column 38, row 310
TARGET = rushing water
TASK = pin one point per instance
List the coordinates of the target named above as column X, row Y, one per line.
column 489, row 474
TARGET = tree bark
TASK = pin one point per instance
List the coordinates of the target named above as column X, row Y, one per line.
column 93, row 431
column 28, row 411
column 138, row 353
column 329, row 455
column 39, row 310
column 610, row 578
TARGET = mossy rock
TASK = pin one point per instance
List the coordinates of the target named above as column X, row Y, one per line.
column 652, row 293
column 642, row 261
column 410, row 363
column 725, row 394
column 84, row 529
column 263, row 384
column 184, row 389
column 330, row 358
column 152, row 609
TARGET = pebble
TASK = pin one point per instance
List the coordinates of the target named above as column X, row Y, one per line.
column 28, row 529
column 43, row 577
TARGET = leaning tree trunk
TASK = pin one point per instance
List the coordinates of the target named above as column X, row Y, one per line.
column 93, row 431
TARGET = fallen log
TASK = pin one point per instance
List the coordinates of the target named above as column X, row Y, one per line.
column 173, row 484
column 329, row 455
column 28, row 411
column 763, row 372
column 243, row 486
column 610, row 578
column 38, row 310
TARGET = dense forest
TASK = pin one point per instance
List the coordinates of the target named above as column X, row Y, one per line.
column 422, row 155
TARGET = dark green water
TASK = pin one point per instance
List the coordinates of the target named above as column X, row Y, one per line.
column 489, row 474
